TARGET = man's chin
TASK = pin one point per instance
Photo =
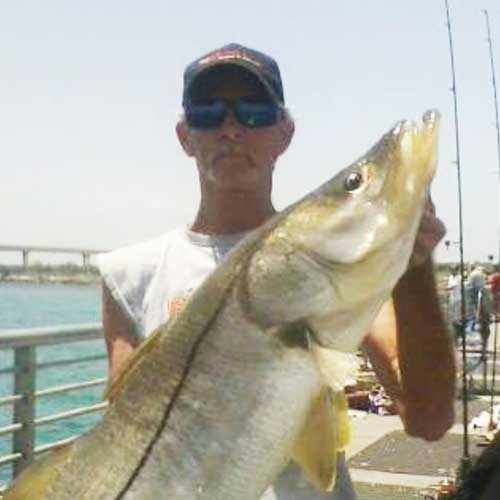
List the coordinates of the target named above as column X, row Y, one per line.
column 230, row 186
column 241, row 182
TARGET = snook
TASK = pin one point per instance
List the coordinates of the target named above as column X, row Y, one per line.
column 216, row 403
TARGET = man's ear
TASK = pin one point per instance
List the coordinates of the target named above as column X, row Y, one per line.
column 286, row 129
column 184, row 137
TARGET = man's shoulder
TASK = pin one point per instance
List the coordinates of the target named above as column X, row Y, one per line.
column 142, row 248
column 143, row 254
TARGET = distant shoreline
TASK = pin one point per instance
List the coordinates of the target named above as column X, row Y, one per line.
column 58, row 275
column 54, row 280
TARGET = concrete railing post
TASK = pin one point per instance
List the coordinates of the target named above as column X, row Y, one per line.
column 24, row 409
column 25, row 258
column 86, row 260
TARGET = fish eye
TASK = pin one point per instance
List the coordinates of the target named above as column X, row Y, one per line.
column 353, row 181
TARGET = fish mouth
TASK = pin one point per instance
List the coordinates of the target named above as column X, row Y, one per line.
column 418, row 144
column 409, row 153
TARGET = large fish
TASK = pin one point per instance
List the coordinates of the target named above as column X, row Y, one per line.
column 215, row 403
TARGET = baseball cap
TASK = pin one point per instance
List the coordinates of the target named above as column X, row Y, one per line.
column 261, row 65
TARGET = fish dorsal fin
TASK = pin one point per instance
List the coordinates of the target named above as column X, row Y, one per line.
column 34, row 482
column 327, row 429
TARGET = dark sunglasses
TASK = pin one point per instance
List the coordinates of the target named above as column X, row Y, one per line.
column 211, row 115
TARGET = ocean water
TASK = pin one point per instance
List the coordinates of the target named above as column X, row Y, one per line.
column 41, row 305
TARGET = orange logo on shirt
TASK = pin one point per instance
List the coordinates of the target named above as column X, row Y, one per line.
column 176, row 306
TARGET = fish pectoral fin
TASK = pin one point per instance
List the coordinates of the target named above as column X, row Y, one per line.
column 337, row 368
column 34, row 481
column 325, row 433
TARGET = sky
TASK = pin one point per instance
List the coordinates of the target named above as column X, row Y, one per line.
column 90, row 95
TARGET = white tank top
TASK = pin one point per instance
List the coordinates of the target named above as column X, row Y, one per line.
column 151, row 281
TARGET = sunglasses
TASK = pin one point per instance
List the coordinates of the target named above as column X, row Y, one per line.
column 251, row 114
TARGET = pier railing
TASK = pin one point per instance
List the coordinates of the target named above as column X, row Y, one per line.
column 23, row 371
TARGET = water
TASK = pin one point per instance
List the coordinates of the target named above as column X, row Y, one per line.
column 33, row 305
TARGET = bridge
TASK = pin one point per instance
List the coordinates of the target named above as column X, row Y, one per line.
column 27, row 249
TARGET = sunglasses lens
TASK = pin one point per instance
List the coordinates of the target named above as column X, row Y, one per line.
column 250, row 114
column 255, row 115
column 205, row 116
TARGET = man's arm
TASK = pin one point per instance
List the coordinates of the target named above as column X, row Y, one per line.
column 409, row 345
column 118, row 333
column 412, row 354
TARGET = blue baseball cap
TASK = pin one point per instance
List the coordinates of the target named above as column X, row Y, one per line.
column 259, row 64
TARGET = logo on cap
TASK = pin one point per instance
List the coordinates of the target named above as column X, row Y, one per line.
column 225, row 55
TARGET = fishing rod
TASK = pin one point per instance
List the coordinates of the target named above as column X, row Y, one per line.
column 465, row 463
column 495, row 101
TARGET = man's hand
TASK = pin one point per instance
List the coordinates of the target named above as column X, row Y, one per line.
column 430, row 232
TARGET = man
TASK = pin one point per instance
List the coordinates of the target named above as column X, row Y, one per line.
column 477, row 282
column 235, row 127
column 494, row 282
column 476, row 288
column 454, row 302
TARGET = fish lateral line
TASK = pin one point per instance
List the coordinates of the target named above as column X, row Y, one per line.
column 173, row 400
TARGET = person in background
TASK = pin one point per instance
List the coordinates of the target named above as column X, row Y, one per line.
column 480, row 302
column 453, row 278
column 454, row 311
column 235, row 126
column 477, row 282
column 494, row 283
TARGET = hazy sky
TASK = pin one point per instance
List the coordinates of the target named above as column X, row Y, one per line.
column 90, row 94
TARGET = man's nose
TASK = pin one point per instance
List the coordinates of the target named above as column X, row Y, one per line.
column 231, row 128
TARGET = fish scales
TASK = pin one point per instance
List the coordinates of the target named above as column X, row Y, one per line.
column 234, row 419
column 214, row 404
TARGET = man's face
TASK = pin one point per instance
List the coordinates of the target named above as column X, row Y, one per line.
column 234, row 157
